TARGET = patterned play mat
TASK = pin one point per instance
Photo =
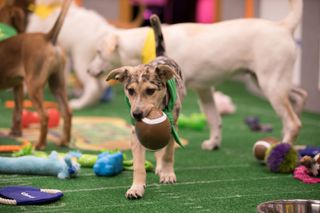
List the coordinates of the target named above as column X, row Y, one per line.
column 90, row 133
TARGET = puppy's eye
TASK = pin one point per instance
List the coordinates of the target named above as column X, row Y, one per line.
column 131, row 91
column 150, row 91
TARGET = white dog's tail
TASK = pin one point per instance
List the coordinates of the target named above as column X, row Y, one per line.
column 294, row 17
column 156, row 26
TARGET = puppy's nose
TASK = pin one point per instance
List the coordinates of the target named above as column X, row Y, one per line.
column 138, row 115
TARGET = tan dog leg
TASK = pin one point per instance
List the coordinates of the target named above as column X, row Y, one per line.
column 137, row 188
column 16, row 129
column 36, row 96
column 57, row 86
column 165, row 162
column 213, row 118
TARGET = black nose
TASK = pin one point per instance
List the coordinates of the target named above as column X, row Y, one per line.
column 138, row 115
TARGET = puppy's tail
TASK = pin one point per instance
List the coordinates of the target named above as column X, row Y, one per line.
column 156, row 26
column 54, row 32
column 294, row 17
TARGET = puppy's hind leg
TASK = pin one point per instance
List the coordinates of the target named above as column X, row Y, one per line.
column 58, row 88
column 213, row 118
column 165, row 162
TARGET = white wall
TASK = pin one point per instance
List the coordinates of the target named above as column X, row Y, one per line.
column 277, row 10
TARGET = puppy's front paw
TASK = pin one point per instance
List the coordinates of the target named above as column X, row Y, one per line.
column 135, row 192
column 210, row 145
column 167, row 178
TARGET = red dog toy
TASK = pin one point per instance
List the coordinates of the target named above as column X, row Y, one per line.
column 29, row 118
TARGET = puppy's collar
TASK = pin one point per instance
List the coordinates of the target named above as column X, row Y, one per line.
column 6, row 31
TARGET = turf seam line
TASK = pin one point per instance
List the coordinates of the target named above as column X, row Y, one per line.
column 177, row 184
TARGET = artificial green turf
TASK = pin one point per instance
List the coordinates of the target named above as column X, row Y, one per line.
column 227, row 180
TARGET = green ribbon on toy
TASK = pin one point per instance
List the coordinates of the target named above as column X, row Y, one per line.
column 172, row 89
column 6, row 31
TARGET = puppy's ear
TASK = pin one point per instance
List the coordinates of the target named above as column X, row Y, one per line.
column 119, row 74
column 165, row 72
column 18, row 19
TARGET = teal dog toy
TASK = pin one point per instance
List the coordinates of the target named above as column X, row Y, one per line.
column 53, row 165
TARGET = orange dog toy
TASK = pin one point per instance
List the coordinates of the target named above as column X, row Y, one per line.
column 13, row 148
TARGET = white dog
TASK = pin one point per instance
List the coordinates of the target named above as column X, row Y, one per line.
column 210, row 53
column 80, row 35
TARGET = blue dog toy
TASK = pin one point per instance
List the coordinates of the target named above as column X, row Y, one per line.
column 108, row 164
column 62, row 168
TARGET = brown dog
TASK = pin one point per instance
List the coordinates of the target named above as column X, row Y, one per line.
column 35, row 59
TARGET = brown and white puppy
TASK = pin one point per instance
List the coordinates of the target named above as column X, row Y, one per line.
column 145, row 86
column 35, row 59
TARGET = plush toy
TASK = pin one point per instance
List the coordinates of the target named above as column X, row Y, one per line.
column 254, row 124
column 282, row 158
column 62, row 168
column 108, row 164
column 261, row 146
column 154, row 131
column 14, row 148
column 85, row 160
column 196, row 121
column 312, row 164
column 29, row 118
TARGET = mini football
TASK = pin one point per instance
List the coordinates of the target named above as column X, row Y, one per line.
column 261, row 146
column 154, row 131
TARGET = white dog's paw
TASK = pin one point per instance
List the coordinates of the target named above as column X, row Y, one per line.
column 135, row 192
column 167, row 177
column 76, row 104
column 210, row 145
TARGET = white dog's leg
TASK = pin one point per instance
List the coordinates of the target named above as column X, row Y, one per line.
column 165, row 163
column 297, row 97
column 213, row 118
column 92, row 88
column 279, row 99
column 137, row 188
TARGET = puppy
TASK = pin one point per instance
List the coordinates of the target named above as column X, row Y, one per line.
column 35, row 59
column 83, row 29
column 145, row 86
column 211, row 53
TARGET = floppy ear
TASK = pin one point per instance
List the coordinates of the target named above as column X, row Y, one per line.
column 165, row 72
column 18, row 19
column 119, row 74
